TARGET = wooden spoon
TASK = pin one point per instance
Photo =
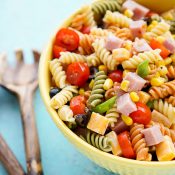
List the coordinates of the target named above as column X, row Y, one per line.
column 22, row 80
column 9, row 160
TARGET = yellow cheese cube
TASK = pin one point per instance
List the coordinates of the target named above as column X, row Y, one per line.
column 116, row 150
column 143, row 97
column 165, row 150
column 98, row 123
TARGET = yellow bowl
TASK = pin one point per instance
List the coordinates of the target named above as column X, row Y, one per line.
column 110, row 162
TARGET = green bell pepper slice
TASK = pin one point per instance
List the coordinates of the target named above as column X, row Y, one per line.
column 104, row 107
column 143, row 69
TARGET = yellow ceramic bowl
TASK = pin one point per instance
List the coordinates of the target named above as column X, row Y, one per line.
column 110, row 162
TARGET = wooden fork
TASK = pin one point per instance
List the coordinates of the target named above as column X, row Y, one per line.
column 9, row 160
column 22, row 80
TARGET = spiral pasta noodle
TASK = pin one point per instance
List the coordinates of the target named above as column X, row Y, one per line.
column 152, row 56
column 163, row 90
column 63, row 97
column 104, row 54
column 84, row 18
column 165, row 108
column 58, row 73
column 112, row 115
column 99, row 32
column 100, row 7
column 66, row 114
column 171, row 100
column 97, row 91
column 117, row 19
column 171, row 72
column 85, row 45
column 93, row 60
column 139, row 143
column 101, row 142
column 158, row 30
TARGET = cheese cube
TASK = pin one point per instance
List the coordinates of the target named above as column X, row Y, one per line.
column 98, row 123
column 165, row 150
column 116, row 150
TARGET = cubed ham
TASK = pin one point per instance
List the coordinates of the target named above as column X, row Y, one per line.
column 139, row 10
column 138, row 28
column 170, row 45
column 153, row 135
column 113, row 42
column 136, row 82
column 140, row 45
column 125, row 105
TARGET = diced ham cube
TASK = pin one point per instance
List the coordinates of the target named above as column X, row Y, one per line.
column 153, row 135
column 136, row 82
column 139, row 10
column 113, row 42
column 170, row 45
column 125, row 105
column 138, row 28
column 140, row 45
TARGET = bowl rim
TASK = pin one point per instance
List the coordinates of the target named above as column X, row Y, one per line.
column 62, row 126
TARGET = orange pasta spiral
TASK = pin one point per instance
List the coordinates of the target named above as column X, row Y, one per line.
column 162, row 91
column 171, row 72
column 171, row 100
column 85, row 45
column 123, row 33
column 139, row 143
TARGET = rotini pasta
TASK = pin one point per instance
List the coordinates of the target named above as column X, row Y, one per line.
column 139, row 143
column 162, row 91
column 100, row 32
column 63, row 97
column 101, row 142
column 152, row 56
column 69, row 57
column 93, row 60
column 100, row 7
column 116, row 19
column 171, row 100
column 97, row 91
column 84, row 18
column 58, row 73
column 112, row 115
column 158, row 30
column 167, row 109
column 66, row 114
column 104, row 55
column 171, row 72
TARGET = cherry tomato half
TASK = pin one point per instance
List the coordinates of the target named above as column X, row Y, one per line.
column 77, row 105
column 116, row 76
column 57, row 50
column 77, row 73
column 125, row 145
column 67, row 39
column 86, row 29
column 142, row 115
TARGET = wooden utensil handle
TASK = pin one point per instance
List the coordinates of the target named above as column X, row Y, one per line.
column 9, row 160
column 32, row 148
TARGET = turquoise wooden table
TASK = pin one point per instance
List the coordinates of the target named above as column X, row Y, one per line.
column 28, row 24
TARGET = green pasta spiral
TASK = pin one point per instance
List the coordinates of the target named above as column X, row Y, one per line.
column 97, row 91
column 100, row 7
column 101, row 142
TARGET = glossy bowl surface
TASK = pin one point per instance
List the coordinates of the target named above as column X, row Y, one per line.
column 112, row 163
